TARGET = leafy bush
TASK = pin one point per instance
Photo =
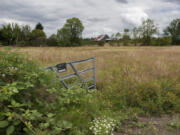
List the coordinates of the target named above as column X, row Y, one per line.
column 24, row 95
column 52, row 40
column 126, row 40
column 32, row 101
column 37, row 37
column 101, row 43
column 174, row 124
column 88, row 42
column 161, row 41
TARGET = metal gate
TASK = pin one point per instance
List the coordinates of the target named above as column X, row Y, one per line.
column 60, row 68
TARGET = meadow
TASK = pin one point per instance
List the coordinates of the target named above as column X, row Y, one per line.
column 138, row 63
column 143, row 82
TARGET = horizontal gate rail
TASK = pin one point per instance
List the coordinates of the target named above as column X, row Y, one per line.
column 81, row 61
column 63, row 68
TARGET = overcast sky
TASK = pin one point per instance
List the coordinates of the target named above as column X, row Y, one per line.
column 98, row 16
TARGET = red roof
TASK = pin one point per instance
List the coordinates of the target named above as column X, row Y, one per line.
column 99, row 37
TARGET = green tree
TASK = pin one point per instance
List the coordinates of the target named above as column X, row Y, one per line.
column 147, row 30
column 174, row 31
column 161, row 41
column 11, row 34
column 52, row 40
column 118, row 37
column 26, row 34
column 135, row 34
column 1, row 37
column 71, row 33
column 63, row 36
column 37, row 37
column 16, row 33
column 113, row 37
column 126, row 37
column 6, row 33
column 39, row 26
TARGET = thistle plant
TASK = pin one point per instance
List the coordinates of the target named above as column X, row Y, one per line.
column 103, row 126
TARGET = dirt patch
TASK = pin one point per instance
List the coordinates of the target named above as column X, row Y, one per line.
column 150, row 126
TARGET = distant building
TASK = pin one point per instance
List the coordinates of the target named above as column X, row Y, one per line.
column 105, row 38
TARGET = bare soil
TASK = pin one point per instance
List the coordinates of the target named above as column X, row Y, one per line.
column 149, row 126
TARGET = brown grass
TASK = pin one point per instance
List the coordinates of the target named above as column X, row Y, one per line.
column 141, row 63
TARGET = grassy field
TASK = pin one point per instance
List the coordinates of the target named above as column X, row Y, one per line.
column 139, row 63
column 139, row 72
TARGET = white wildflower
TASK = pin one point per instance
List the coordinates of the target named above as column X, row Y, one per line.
column 102, row 126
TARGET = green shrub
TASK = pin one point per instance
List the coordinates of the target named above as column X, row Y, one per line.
column 126, row 40
column 32, row 101
column 88, row 42
column 174, row 124
column 24, row 95
column 163, row 41
column 52, row 40
column 101, row 43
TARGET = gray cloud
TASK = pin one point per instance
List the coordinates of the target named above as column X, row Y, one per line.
column 176, row 1
column 97, row 19
column 122, row 1
column 98, row 16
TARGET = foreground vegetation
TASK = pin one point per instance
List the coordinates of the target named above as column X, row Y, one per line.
column 131, row 82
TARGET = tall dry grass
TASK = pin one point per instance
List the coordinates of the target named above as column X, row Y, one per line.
column 147, row 78
column 139, row 63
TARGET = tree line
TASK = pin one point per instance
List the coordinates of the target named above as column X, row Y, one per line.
column 148, row 34
column 71, row 35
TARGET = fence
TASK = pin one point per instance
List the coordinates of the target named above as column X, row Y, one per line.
column 60, row 68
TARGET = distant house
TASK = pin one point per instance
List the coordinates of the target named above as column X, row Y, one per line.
column 105, row 38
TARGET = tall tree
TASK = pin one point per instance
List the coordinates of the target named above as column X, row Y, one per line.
column 39, row 26
column 118, row 37
column 16, row 33
column 147, row 30
column 26, row 33
column 52, row 40
column 135, row 34
column 71, row 32
column 174, row 31
column 37, row 37
column 126, row 37
column 11, row 33
column 6, row 33
column 1, row 37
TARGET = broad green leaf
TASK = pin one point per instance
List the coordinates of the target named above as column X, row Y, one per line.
column 10, row 130
column 3, row 124
column 1, row 117
column 66, row 124
column 28, row 131
column 58, row 130
column 17, row 122
column 50, row 115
